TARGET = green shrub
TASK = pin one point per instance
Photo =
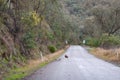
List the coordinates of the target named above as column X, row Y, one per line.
column 52, row 48
column 29, row 41
column 50, row 36
column 112, row 40
column 105, row 40
column 92, row 42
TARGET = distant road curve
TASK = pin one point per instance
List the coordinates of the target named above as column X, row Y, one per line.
column 80, row 65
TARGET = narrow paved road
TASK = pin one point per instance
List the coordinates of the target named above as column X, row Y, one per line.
column 79, row 66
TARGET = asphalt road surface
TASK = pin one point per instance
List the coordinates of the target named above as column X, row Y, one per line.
column 79, row 66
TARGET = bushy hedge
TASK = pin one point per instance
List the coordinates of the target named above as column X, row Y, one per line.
column 92, row 42
column 104, row 40
column 112, row 40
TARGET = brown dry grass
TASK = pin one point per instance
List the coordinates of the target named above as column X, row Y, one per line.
column 46, row 59
column 108, row 55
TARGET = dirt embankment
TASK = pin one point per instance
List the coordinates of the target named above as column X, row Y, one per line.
column 31, row 66
column 110, row 55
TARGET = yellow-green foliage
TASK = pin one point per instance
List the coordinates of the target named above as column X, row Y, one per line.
column 35, row 17
column 31, row 19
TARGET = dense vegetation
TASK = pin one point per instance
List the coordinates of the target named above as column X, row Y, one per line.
column 97, row 19
column 29, row 27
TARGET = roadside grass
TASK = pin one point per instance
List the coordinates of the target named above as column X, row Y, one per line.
column 19, row 73
column 32, row 66
column 109, row 55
